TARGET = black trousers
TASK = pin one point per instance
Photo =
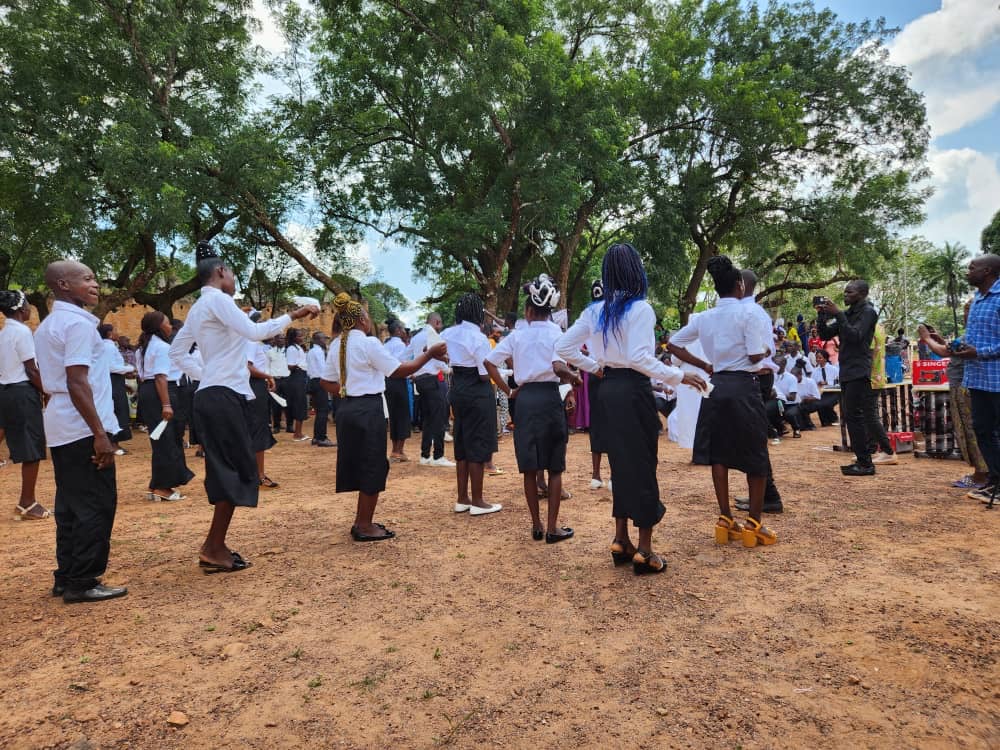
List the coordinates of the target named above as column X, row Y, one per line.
column 863, row 424
column 321, row 403
column 433, row 414
column 119, row 394
column 277, row 411
column 665, row 406
column 86, row 500
column 986, row 425
column 771, row 494
column 185, row 410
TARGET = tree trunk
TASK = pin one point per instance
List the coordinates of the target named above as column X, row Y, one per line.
column 687, row 302
column 40, row 301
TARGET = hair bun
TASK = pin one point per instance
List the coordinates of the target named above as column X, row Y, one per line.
column 341, row 301
column 542, row 291
column 12, row 299
column 719, row 264
column 597, row 290
column 204, row 251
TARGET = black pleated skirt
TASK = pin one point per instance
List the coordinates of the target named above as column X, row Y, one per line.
column 119, row 394
column 169, row 467
column 296, row 386
column 261, row 437
column 598, row 430
column 398, row 400
column 541, row 433
column 629, row 412
column 223, row 418
column 362, row 465
column 732, row 425
column 475, row 412
column 21, row 417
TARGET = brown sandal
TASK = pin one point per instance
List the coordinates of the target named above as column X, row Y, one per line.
column 644, row 563
column 268, row 483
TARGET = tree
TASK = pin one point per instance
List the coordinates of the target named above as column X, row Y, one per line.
column 943, row 272
column 990, row 238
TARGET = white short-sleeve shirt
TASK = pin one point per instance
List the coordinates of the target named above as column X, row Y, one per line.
column 16, row 347
column 295, row 357
column 467, row 346
column 315, row 361
column 368, row 365
column 533, row 349
column 68, row 337
column 807, row 388
column 156, row 360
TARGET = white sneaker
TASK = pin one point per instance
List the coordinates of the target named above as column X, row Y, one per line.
column 461, row 507
column 609, row 485
column 443, row 462
column 475, row 510
column 448, row 438
column 428, row 461
column 886, row 459
column 776, row 441
column 596, row 484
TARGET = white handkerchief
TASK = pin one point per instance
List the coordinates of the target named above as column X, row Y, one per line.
column 707, row 390
column 303, row 301
column 278, row 399
column 158, row 430
column 564, row 390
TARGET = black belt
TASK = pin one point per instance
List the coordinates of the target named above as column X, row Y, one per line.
column 20, row 384
column 458, row 369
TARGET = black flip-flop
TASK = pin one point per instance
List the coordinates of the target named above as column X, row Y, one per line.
column 238, row 564
column 538, row 534
column 359, row 537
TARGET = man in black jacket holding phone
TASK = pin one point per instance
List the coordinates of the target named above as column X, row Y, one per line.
column 856, row 329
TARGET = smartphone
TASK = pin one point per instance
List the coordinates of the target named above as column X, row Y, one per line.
column 819, row 300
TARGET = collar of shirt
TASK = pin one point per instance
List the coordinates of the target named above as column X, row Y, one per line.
column 995, row 289
column 75, row 309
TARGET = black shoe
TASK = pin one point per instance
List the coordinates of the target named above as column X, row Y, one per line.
column 99, row 593
column 857, row 470
column 538, row 534
column 58, row 590
column 770, row 506
column 566, row 533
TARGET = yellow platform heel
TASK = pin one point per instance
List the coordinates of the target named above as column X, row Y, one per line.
column 727, row 530
column 754, row 534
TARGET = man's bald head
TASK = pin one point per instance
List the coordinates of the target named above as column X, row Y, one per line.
column 73, row 282
column 63, row 270
column 749, row 281
column 434, row 321
column 990, row 262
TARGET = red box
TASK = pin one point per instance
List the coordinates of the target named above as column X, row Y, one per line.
column 901, row 442
column 930, row 371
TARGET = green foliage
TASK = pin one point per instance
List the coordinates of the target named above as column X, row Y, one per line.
column 942, row 275
column 990, row 238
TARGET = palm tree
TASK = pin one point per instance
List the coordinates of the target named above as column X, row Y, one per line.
column 943, row 270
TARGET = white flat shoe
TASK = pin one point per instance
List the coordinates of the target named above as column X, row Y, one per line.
column 609, row 485
column 461, row 508
column 475, row 510
column 596, row 484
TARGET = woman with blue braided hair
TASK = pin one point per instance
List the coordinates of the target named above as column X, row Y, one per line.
column 620, row 331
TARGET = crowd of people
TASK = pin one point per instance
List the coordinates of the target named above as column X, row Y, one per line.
column 730, row 383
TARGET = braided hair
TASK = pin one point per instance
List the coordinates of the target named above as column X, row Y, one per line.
column 624, row 282
column 293, row 337
column 542, row 294
column 207, row 260
column 726, row 276
column 347, row 314
column 151, row 323
column 470, row 308
column 12, row 301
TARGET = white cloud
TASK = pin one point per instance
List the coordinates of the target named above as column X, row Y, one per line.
column 967, row 186
column 944, row 51
column 957, row 28
column 267, row 35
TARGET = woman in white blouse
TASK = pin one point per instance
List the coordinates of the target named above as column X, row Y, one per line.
column 356, row 368
column 297, row 382
column 158, row 395
column 622, row 336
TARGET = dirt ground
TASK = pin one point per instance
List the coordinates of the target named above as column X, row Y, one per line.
column 871, row 624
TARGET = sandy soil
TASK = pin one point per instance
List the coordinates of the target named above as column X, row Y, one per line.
column 868, row 625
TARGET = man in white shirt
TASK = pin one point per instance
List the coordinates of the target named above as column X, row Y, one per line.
column 21, row 399
column 315, row 363
column 221, row 405
column 827, row 375
column 433, row 406
column 79, row 421
column 808, row 398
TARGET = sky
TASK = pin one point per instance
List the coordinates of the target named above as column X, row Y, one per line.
column 952, row 49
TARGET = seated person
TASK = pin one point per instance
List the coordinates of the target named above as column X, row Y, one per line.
column 808, row 398
column 826, row 375
column 782, row 406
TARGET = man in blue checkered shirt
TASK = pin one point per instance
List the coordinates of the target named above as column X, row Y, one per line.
column 982, row 369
